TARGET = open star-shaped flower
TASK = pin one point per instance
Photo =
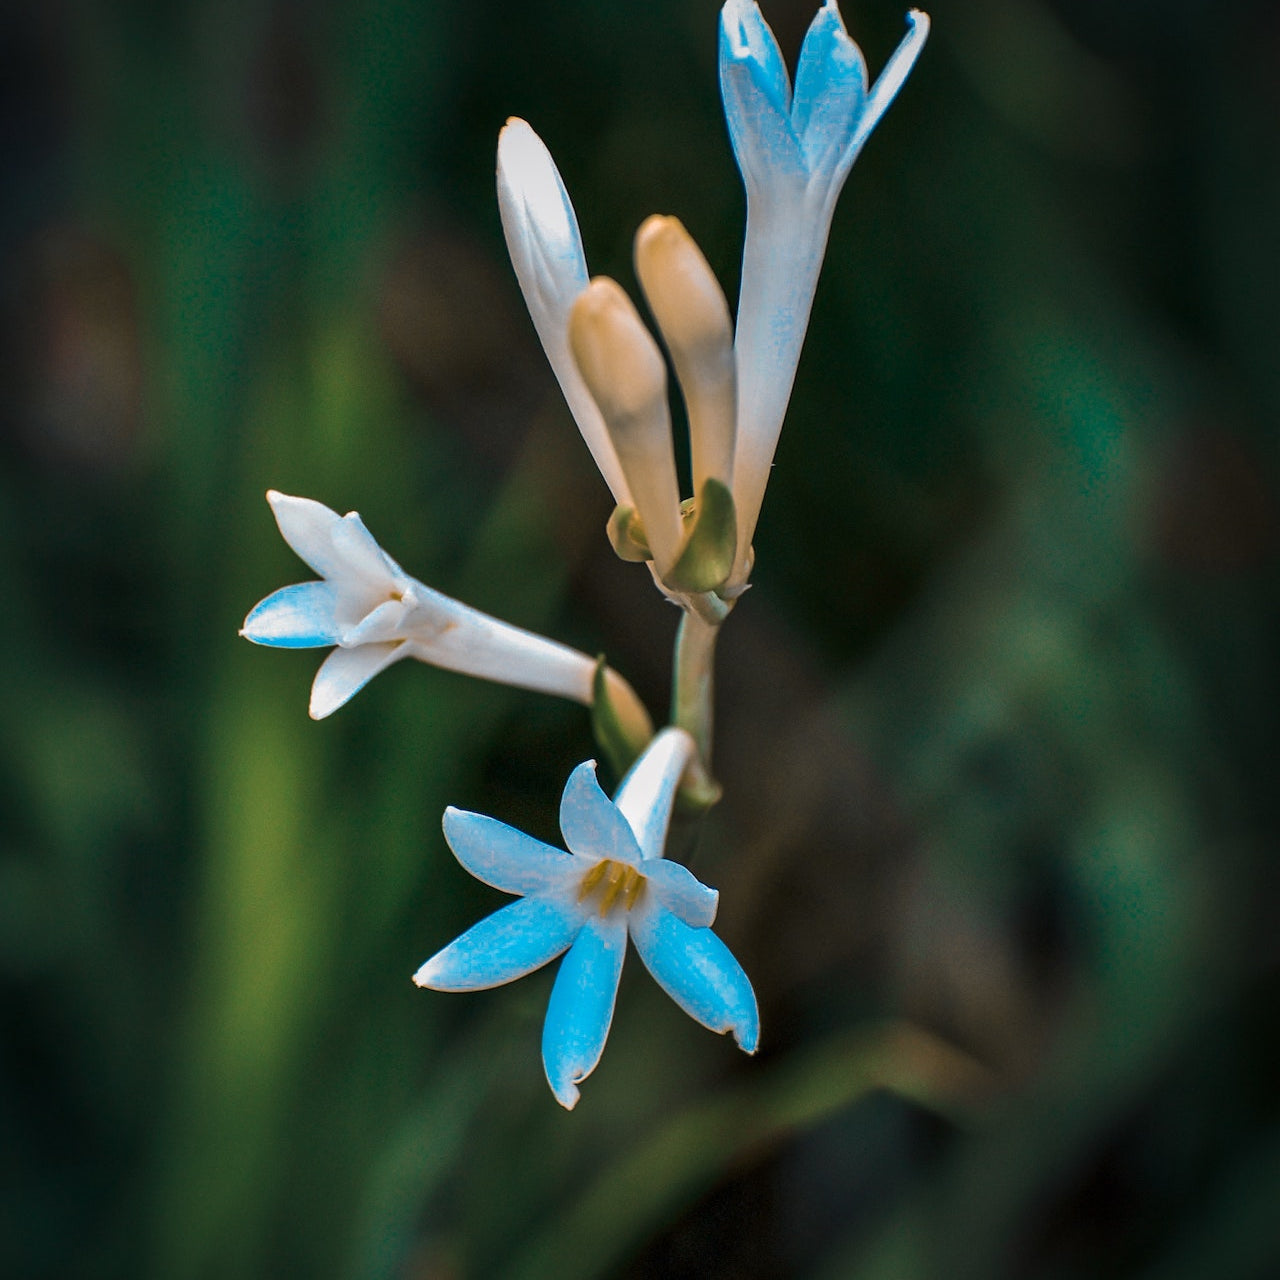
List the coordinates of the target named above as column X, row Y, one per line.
column 613, row 882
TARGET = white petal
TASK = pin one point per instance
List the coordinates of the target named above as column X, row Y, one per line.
column 546, row 252
column 592, row 826
column 308, row 527
column 506, row 858
column 359, row 555
column 340, row 549
column 649, row 789
column 681, row 892
column 891, row 79
column 346, row 671
column 384, row 622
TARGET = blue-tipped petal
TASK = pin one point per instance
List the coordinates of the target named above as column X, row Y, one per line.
column 581, row 1007
column 698, row 972
column 502, row 947
column 681, row 892
column 296, row 617
column 831, row 86
column 646, row 794
column 591, row 824
column 747, row 39
column 504, row 857
column 346, row 671
column 890, row 80
column 756, row 95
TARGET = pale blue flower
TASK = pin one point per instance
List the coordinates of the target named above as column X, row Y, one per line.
column 374, row 614
column 795, row 151
column 612, row 883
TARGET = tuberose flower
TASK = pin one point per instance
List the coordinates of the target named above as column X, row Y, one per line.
column 795, row 151
column 374, row 614
column 612, row 883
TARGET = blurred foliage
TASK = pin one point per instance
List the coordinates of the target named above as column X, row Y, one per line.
column 997, row 722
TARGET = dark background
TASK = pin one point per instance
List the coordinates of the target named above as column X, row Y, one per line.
column 997, row 723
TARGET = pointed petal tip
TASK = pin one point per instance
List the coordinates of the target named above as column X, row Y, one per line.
column 920, row 25
column 747, row 1037
column 734, row 15
column 519, row 144
column 567, row 1095
column 323, row 703
column 422, row 978
column 580, row 772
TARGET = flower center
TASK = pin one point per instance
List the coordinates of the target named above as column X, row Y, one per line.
column 614, row 881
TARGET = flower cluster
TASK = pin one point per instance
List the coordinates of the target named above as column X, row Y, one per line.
column 794, row 148
column 795, row 151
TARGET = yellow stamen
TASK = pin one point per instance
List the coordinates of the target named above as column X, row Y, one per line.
column 617, row 881
column 634, row 889
column 591, row 879
column 617, row 876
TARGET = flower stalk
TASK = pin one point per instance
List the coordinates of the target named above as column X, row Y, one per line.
column 692, row 699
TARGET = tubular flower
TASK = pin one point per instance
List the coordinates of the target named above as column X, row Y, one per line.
column 795, row 151
column 612, row 883
column 374, row 614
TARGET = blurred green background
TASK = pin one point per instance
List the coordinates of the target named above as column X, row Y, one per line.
column 997, row 723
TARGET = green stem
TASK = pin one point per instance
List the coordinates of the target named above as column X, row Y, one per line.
column 693, row 696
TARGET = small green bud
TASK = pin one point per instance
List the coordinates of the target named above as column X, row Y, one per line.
column 626, row 535
column 622, row 731
column 706, row 558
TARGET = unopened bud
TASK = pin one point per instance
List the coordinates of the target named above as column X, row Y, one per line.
column 693, row 317
column 624, row 371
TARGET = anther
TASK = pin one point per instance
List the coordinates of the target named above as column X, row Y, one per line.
column 617, row 881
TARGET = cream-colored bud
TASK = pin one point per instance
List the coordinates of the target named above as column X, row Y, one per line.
column 625, row 373
column 693, row 317
column 618, row 360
